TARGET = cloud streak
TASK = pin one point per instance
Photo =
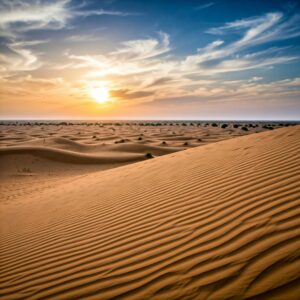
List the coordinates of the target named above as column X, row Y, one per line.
column 147, row 64
column 20, row 16
column 204, row 6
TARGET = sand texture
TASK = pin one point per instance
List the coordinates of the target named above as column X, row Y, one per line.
column 220, row 221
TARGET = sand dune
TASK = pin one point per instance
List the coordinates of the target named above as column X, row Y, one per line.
column 51, row 150
column 69, row 156
column 220, row 221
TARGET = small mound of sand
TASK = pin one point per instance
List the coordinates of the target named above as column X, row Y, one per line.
column 216, row 222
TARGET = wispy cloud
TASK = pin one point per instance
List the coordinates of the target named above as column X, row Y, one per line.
column 206, row 5
column 83, row 38
column 19, row 58
column 20, row 15
column 143, row 49
column 146, row 64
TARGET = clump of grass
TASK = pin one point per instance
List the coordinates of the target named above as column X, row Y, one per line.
column 164, row 143
column 235, row 125
column 140, row 138
column 214, row 125
column 244, row 128
column 186, row 144
column 120, row 141
column 149, row 155
column 94, row 136
column 199, row 140
column 224, row 126
column 268, row 127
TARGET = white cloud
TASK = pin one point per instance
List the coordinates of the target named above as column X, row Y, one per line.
column 142, row 49
column 206, row 5
column 142, row 65
column 19, row 15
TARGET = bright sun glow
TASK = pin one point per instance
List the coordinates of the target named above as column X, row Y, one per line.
column 100, row 94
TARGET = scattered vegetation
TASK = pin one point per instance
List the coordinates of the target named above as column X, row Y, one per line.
column 244, row 128
column 120, row 141
column 224, row 126
column 149, row 155
column 268, row 127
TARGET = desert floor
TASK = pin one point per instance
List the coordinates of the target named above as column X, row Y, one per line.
column 86, row 215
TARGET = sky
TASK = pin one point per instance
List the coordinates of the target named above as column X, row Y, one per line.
column 150, row 59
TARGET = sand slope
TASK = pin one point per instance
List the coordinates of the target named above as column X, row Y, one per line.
column 216, row 222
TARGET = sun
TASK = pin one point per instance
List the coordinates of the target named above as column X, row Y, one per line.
column 100, row 94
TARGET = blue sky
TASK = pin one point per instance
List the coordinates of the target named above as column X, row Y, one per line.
column 157, row 59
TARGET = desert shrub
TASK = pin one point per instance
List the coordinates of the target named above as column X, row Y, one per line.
column 164, row 143
column 235, row 125
column 199, row 140
column 140, row 138
column 268, row 127
column 244, row 128
column 149, row 155
column 186, row 144
column 214, row 125
column 120, row 141
column 224, row 126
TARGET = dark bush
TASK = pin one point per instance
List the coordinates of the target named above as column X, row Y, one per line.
column 235, row 125
column 149, row 155
column 214, row 125
column 224, row 126
column 244, row 128
column 120, row 141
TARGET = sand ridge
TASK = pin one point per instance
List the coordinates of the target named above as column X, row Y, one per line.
column 214, row 222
